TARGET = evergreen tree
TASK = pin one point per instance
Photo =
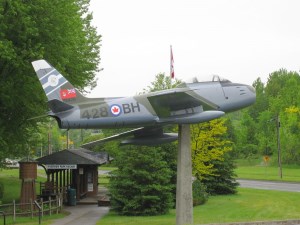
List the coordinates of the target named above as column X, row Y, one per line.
column 141, row 185
column 169, row 154
column 145, row 182
column 223, row 181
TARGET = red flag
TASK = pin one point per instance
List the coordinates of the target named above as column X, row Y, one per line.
column 172, row 74
column 67, row 93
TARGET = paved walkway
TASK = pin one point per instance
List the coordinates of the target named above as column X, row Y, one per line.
column 82, row 214
column 86, row 212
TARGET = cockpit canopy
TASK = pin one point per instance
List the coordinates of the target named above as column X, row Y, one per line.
column 213, row 78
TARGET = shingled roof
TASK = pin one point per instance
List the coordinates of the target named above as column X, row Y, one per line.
column 75, row 156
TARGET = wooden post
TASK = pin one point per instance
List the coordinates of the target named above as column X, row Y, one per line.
column 42, row 206
column 57, row 202
column 14, row 203
column 60, row 181
column 61, row 202
column 63, row 180
column 50, row 210
column 278, row 146
column 31, row 208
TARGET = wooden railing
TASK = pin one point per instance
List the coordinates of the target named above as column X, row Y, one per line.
column 30, row 209
column 49, row 189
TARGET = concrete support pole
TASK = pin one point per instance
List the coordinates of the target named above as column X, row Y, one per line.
column 184, row 196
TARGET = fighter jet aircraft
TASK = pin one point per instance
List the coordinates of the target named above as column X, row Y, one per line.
column 188, row 103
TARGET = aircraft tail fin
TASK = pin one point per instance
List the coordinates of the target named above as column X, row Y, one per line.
column 55, row 85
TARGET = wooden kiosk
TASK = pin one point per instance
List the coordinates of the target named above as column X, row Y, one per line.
column 75, row 169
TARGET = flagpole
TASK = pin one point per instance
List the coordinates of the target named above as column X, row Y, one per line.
column 171, row 61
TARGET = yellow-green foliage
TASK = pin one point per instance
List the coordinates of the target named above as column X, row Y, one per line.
column 208, row 143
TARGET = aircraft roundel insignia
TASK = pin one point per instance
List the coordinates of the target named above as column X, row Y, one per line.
column 53, row 80
column 115, row 110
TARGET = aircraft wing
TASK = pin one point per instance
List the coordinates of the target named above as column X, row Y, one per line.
column 168, row 103
column 110, row 138
column 141, row 136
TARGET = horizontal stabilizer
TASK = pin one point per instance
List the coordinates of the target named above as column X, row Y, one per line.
column 110, row 138
column 148, row 136
column 151, row 141
column 57, row 106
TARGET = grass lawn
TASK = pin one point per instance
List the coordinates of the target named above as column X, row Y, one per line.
column 12, row 184
column 258, row 170
column 103, row 179
column 247, row 205
column 12, row 189
column 46, row 220
column 107, row 168
column 268, row 173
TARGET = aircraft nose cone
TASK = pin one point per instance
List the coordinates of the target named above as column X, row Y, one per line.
column 252, row 89
column 253, row 92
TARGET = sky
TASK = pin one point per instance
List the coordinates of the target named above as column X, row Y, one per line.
column 240, row 40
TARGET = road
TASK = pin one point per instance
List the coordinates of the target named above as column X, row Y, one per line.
column 270, row 185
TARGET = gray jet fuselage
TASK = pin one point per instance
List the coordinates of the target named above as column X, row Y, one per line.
column 189, row 103
column 138, row 111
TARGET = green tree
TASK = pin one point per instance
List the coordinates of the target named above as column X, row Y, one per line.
column 58, row 31
column 223, row 181
column 169, row 155
column 256, row 132
column 265, row 133
column 261, row 102
column 162, row 82
column 212, row 162
column 141, row 185
column 208, row 144
column 283, row 96
column 247, row 142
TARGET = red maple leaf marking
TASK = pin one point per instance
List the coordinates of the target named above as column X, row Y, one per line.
column 115, row 109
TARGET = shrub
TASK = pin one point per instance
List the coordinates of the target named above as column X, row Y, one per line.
column 199, row 193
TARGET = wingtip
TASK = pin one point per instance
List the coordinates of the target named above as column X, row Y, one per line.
column 40, row 64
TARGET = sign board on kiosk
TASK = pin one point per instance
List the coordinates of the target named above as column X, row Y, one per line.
column 61, row 167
